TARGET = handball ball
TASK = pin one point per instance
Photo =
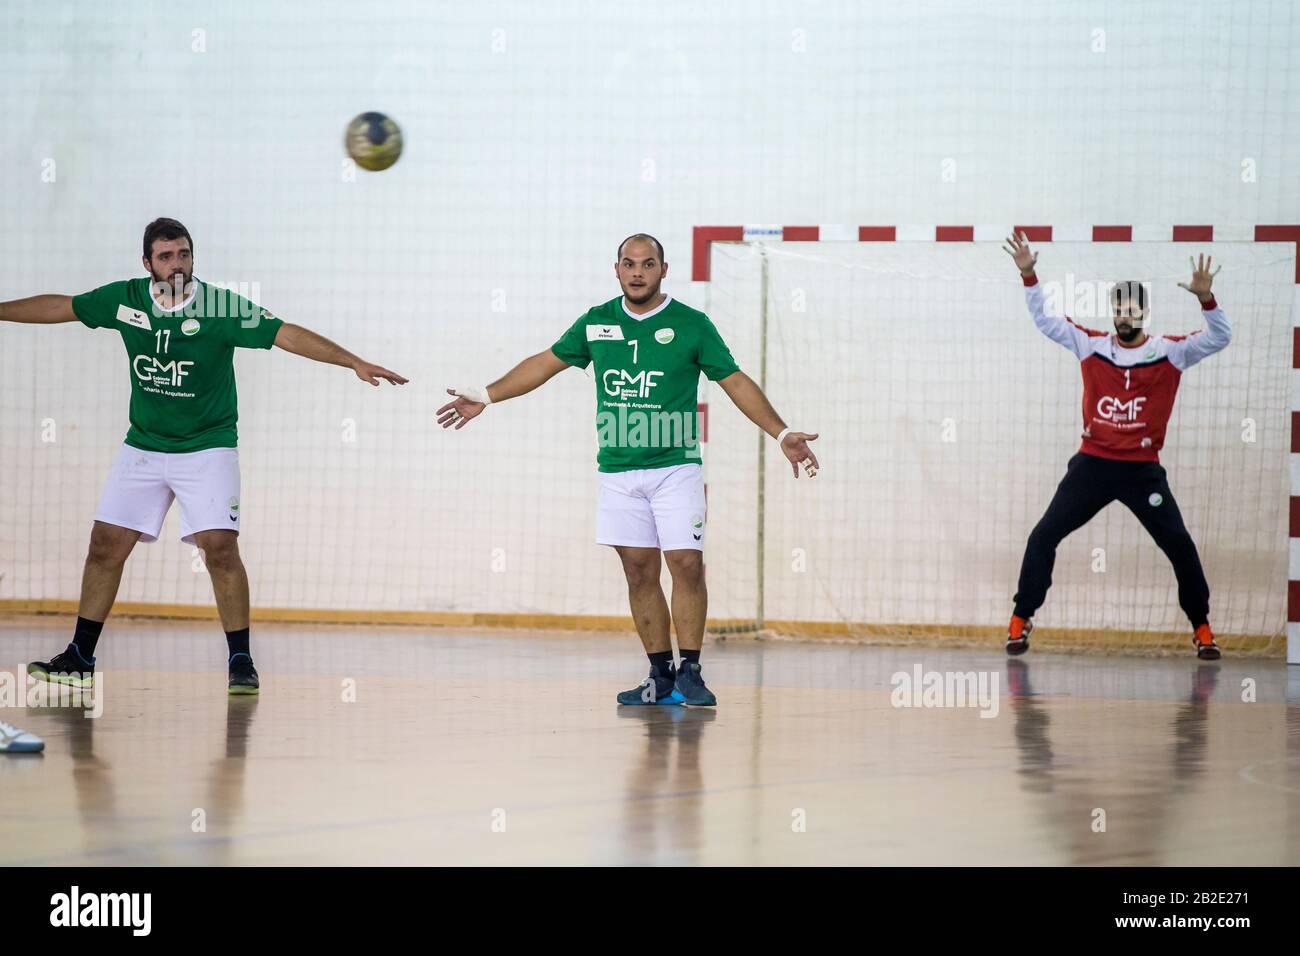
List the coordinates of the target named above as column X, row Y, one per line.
column 374, row 141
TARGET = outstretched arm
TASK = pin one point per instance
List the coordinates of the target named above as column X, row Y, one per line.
column 531, row 373
column 749, row 398
column 39, row 310
column 1218, row 333
column 308, row 344
column 1055, row 327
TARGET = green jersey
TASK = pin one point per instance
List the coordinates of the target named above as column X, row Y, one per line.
column 182, row 360
column 647, row 371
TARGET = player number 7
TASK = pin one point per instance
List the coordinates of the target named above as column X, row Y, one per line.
column 632, row 342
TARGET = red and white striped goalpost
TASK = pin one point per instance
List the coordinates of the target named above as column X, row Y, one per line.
column 704, row 236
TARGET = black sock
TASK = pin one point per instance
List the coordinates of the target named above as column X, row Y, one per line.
column 237, row 641
column 690, row 657
column 662, row 660
column 86, row 637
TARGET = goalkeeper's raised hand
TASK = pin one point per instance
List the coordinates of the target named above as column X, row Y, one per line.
column 1017, row 248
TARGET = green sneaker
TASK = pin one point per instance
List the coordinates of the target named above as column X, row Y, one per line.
column 243, row 676
column 67, row 668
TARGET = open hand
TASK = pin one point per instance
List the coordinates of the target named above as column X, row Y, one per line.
column 1017, row 248
column 1202, row 277
column 371, row 374
column 795, row 448
column 459, row 411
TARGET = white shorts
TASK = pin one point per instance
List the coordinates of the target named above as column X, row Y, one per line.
column 142, row 484
column 652, row 508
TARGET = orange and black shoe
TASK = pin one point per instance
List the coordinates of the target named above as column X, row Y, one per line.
column 1203, row 641
column 1018, row 632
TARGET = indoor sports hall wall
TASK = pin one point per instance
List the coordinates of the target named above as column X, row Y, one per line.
column 538, row 136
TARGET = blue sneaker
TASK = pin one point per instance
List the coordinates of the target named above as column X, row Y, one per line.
column 653, row 690
column 15, row 741
column 690, row 689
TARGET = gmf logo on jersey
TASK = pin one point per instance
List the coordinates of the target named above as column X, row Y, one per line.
column 149, row 369
column 1116, row 410
column 622, row 384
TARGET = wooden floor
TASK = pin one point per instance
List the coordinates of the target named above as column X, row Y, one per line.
column 482, row 748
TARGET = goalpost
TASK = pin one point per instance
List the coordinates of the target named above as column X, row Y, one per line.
column 947, row 420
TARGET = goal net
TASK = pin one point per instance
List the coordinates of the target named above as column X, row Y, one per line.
column 946, row 421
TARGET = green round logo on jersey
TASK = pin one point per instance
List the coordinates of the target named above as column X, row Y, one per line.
column 1151, row 353
column 190, row 326
column 664, row 336
column 697, row 522
column 1156, row 500
column 234, row 505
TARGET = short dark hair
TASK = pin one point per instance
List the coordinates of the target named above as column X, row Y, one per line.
column 164, row 229
column 1127, row 292
column 645, row 237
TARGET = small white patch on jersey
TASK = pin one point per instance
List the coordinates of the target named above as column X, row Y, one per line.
column 664, row 336
column 132, row 317
column 604, row 333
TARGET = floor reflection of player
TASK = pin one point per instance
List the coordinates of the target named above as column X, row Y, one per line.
column 1031, row 728
column 649, row 834
column 1137, row 800
column 112, row 831
column 92, row 784
column 224, row 811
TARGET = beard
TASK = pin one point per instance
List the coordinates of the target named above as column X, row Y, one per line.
column 642, row 296
column 177, row 280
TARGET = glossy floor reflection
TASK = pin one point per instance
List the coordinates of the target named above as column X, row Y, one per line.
column 404, row 746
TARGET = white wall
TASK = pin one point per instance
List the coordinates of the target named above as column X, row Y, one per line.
column 525, row 164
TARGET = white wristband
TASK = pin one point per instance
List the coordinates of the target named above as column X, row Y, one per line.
column 475, row 393
column 781, row 437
